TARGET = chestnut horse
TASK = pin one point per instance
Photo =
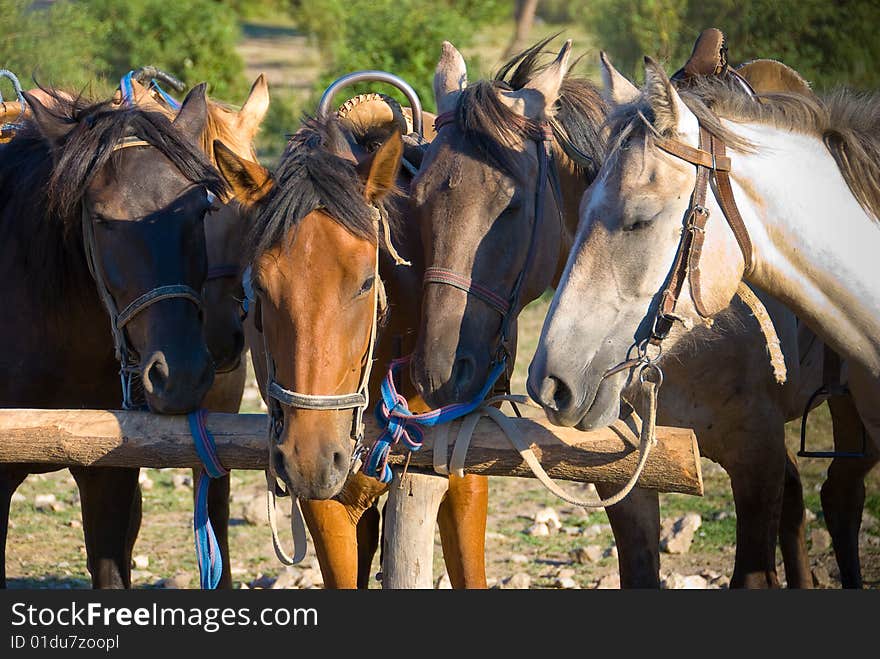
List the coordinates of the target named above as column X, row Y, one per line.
column 483, row 233
column 76, row 171
column 314, row 250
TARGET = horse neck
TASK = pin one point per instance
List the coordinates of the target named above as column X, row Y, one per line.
column 572, row 184
column 403, row 288
column 815, row 247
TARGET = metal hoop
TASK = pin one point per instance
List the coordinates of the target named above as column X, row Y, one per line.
column 374, row 76
column 647, row 367
column 642, row 348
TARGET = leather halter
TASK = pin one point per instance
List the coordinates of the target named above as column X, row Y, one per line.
column 129, row 364
column 357, row 401
column 712, row 163
column 505, row 307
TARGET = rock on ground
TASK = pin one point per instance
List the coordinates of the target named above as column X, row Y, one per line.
column 539, row 530
column 519, row 581
column 178, row 581
column 820, row 540
column 677, row 581
column 140, row 562
column 588, row 554
column 609, row 582
column 253, row 512
column 519, row 559
column 18, row 497
column 676, row 535
column 549, row 517
column 181, row 481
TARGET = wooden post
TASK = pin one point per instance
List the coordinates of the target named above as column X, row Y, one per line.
column 410, row 514
column 139, row 439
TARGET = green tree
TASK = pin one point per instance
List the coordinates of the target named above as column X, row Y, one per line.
column 829, row 43
column 398, row 36
column 193, row 39
column 58, row 45
column 631, row 29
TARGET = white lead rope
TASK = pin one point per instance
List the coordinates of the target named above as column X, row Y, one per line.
column 648, row 439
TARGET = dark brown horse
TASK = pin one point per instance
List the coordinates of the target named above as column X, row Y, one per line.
column 222, row 296
column 142, row 185
column 475, row 195
column 314, row 251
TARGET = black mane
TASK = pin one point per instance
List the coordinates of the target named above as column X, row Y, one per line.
column 491, row 126
column 42, row 185
column 311, row 175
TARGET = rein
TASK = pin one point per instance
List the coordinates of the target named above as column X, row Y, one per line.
column 129, row 364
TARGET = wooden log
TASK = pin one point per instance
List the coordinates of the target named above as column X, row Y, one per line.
column 140, row 439
column 410, row 514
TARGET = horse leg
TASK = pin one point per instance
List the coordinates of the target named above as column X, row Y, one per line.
column 367, row 543
column 757, row 479
column 218, row 513
column 334, row 532
column 10, row 479
column 843, row 492
column 635, row 522
column 462, row 522
column 111, row 513
column 792, row 528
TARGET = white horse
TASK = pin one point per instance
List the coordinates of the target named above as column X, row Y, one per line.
column 806, row 178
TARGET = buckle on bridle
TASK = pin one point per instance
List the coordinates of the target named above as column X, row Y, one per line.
column 662, row 326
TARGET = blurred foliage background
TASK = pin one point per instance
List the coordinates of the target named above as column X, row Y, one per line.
column 87, row 45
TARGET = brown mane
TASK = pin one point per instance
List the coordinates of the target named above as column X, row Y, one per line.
column 492, row 127
column 847, row 122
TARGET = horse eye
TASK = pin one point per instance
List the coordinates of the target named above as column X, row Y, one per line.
column 367, row 286
column 636, row 226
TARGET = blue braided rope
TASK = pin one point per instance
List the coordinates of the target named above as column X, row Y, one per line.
column 125, row 87
column 207, row 548
column 400, row 424
column 172, row 102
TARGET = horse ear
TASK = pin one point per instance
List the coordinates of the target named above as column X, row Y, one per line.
column 249, row 181
column 193, row 115
column 382, row 168
column 450, row 78
column 52, row 126
column 255, row 107
column 537, row 98
column 671, row 115
column 616, row 88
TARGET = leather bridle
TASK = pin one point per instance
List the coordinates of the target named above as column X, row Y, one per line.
column 712, row 162
column 542, row 134
column 129, row 363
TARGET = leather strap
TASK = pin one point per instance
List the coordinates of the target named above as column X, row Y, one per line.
column 315, row 401
column 464, row 283
column 150, row 298
column 728, row 205
column 699, row 157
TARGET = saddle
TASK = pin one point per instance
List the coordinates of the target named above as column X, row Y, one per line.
column 761, row 76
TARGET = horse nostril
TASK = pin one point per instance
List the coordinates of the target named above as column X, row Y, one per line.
column 156, row 373
column 555, row 394
column 339, row 461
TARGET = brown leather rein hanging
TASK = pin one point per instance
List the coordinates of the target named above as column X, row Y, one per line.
column 712, row 163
